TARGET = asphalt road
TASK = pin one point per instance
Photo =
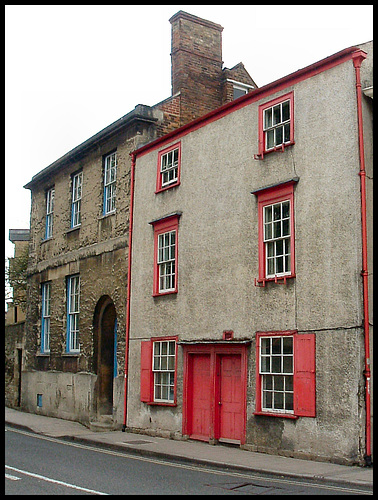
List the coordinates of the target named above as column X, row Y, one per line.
column 39, row 465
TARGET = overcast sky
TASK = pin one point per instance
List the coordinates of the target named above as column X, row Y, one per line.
column 71, row 70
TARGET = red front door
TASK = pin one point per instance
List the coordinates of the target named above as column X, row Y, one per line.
column 230, row 396
column 200, row 396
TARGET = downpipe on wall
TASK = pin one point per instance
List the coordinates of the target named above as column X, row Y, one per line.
column 358, row 57
column 127, row 335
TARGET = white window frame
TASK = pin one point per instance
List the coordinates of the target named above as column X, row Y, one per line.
column 73, row 313
column 77, row 183
column 273, row 126
column 276, row 368
column 166, row 261
column 50, row 194
column 163, row 368
column 45, row 320
column 277, row 239
column 169, row 163
column 110, row 178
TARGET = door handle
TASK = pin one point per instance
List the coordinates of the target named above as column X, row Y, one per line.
column 220, row 402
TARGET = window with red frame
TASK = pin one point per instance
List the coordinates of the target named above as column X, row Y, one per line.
column 158, row 371
column 168, row 171
column 165, row 255
column 276, row 232
column 285, row 374
column 276, row 124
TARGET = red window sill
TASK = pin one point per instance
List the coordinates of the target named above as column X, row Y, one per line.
column 281, row 415
column 165, row 188
column 281, row 280
column 159, row 294
column 261, row 154
column 160, row 403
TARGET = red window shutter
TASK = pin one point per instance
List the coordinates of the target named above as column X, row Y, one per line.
column 145, row 371
column 304, row 375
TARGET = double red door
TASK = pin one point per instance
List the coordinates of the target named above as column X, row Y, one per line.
column 215, row 394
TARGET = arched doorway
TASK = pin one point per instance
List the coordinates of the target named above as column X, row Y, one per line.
column 105, row 328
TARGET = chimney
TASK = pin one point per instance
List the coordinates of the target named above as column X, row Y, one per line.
column 196, row 64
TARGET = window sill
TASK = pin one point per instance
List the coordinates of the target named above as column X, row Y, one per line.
column 43, row 354
column 273, row 414
column 103, row 216
column 161, row 403
column 280, row 280
column 71, row 354
column 73, row 229
column 162, row 294
column 44, row 240
column 165, row 188
column 281, row 149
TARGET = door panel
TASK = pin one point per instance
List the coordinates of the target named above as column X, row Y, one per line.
column 201, row 396
column 230, row 398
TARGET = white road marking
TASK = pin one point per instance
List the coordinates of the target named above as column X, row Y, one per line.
column 55, row 481
column 12, row 478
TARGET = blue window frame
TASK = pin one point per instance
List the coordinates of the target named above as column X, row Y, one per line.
column 77, row 183
column 110, row 177
column 49, row 213
column 73, row 313
column 45, row 326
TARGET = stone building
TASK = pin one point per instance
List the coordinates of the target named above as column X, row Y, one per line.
column 251, row 270
column 14, row 331
column 79, row 236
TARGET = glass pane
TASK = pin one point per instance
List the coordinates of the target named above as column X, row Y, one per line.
column 276, row 345
column 285, row 209
column 164, row 363
column 268, row 118
column 279, row 265
column 277, row 211
column 268, row 213
column 265, row 364
column 278, row 401
column 265, row 346
column 270, row 249
column 279, row 136
column 267, row 400
column 287, row 132
column 285, row 111
column 276, row 364
column 175, row 156
column 156, row 363
column 289, row 401
column 287, row 345
column 277, row 114
column 267, row 382
column 279, row 247
column 270, row 139
column 270, row 263
column 278, row 383
column 268, row 231
column 171, row 363
column 277, row 229
column 157, row 392
column 287, row 264
column 164, row 347
column 288, row 364
column 289, row 383
column 172, row 348
column 286, row 227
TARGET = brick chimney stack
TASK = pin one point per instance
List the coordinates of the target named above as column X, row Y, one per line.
column 196, row 64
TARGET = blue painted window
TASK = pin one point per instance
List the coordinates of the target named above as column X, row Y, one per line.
column 45, row 327
column 49, row 213
column 110, row 177
column 73, row 313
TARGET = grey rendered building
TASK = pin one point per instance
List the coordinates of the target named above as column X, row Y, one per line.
column 251, row 259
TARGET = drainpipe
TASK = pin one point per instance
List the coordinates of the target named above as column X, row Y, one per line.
column 133, row 157
column 358, row 57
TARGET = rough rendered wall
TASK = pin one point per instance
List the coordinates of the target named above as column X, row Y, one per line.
column 218, row 261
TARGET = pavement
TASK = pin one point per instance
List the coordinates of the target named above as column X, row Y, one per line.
column 193, row 451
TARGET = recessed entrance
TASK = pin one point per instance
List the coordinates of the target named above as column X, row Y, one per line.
column 105, row 323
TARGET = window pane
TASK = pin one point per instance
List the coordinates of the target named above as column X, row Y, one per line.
column 279, row 136
column 265, row 346
column 172, row 348
column 279, row 265
column 270, row 266
column 287, row 132
column 289, row 401
column 287, row 345
column 268, row 231
column 276, row 364
column 267, row 382
column 279, row 247
column 267, row 400
column 285, row 227
column 277, row 211
column 268, row 118
column 285, row 209
column 268, row 213
column 270, row 249
column 289, row 383
column 278, row 401
column 276, row 345
column 277, row 114
column 278, row 383
column 287, row 364
column 270, row 139
column 277, row 229
column 265, row 364
column 285, row 111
